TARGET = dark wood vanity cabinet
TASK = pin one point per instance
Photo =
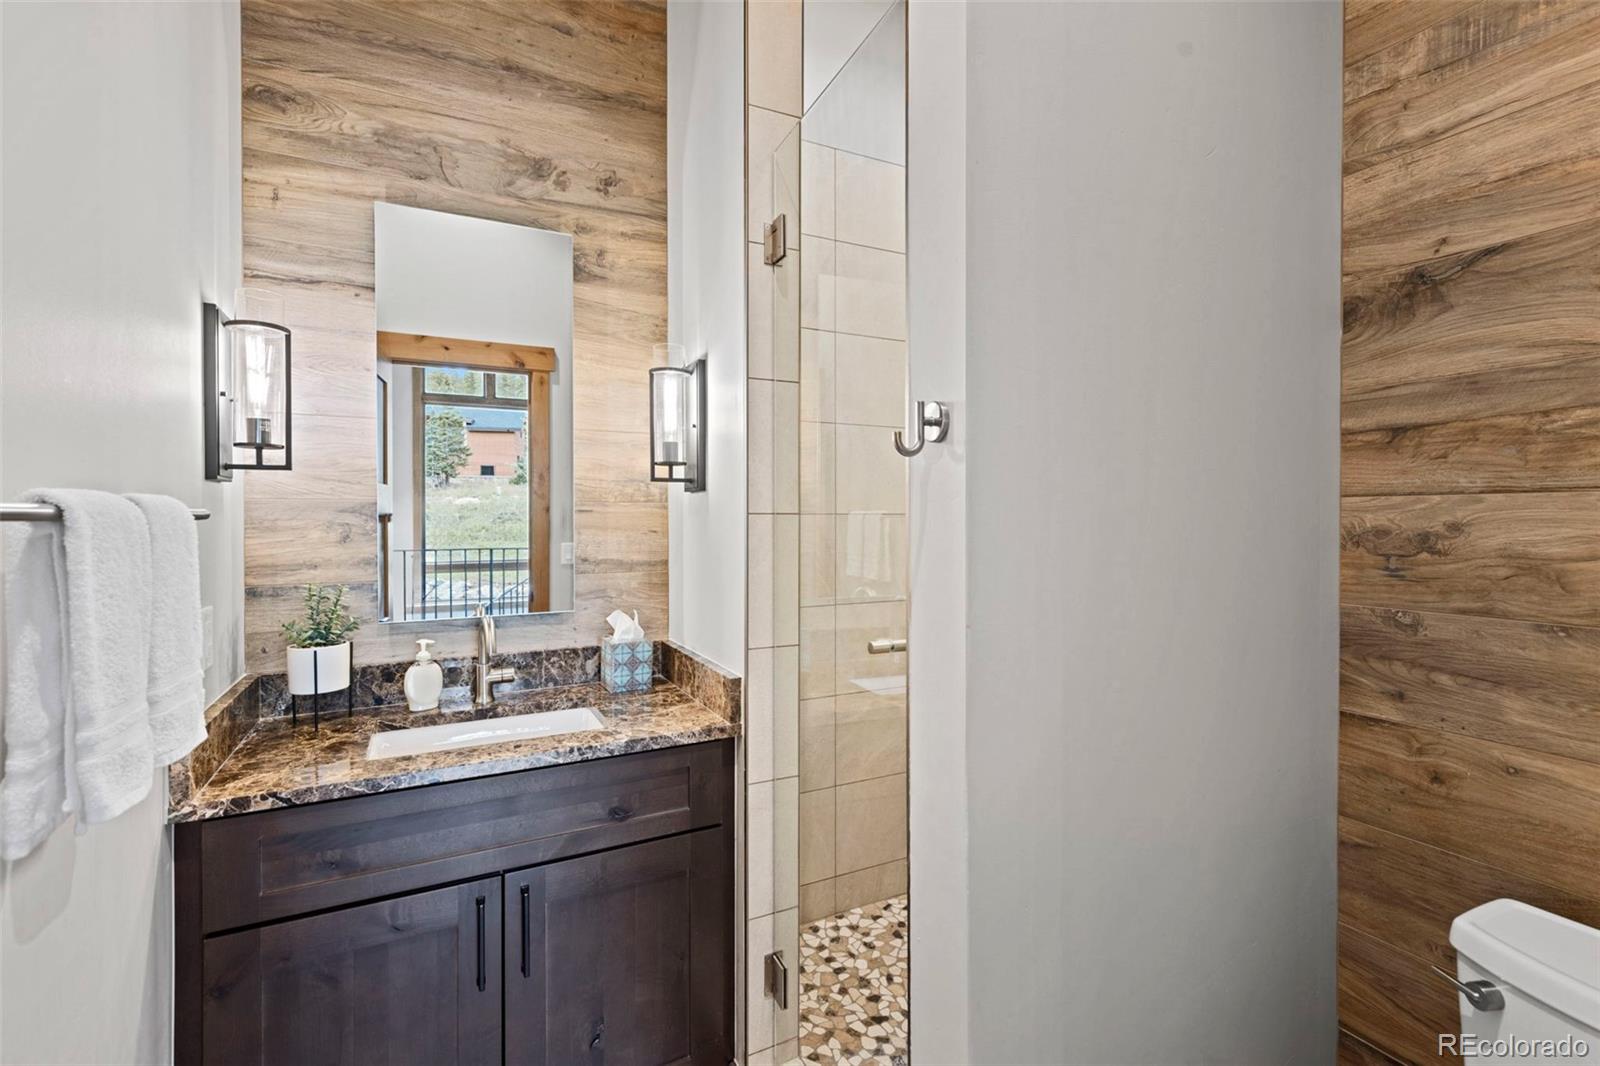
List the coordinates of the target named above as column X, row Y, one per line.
column 576, row 914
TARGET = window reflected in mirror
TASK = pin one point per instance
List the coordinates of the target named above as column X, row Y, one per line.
column 474, row 346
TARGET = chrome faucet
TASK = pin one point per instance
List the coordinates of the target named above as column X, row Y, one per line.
column 484, row 676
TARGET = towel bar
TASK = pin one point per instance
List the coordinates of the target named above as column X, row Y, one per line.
column 49, row 512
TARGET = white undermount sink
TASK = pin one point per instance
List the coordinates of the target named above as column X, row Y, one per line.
column 474, row 733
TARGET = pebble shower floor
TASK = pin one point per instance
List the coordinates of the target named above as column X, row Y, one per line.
column 853, row 1006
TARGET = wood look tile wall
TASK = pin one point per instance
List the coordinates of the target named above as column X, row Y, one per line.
column 536, row 112
column 1470, row 540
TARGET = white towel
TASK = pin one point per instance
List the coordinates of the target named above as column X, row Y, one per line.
column 177, row 680
column 33, row 790
column 869, row 550
column 106, row 552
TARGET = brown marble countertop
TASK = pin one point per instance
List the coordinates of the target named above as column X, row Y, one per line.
column 277, row 764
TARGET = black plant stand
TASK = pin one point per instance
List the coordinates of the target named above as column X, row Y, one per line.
column 316, row 692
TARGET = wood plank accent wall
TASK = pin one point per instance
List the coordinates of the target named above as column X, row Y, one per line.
column 536, row 112
column 1469, row 744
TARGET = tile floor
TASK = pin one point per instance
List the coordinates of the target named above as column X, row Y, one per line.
column 853, row 966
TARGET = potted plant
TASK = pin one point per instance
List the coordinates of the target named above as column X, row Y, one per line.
column 319, row 643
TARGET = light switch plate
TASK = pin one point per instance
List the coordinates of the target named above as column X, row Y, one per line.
column 566, row 552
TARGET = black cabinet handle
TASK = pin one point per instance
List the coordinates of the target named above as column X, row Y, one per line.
column 526, row 931
column 483, row 968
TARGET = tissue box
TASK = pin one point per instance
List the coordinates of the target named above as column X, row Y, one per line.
column 627, row 665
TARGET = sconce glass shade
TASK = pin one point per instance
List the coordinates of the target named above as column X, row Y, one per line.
column 677, row 423
column 247, row 384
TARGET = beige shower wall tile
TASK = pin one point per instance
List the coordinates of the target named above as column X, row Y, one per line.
column 816, row 375
column 758, row 623
column 871, row 474
column 758, row 326
column 760, row 1015
column 766, row 132
column 816, row 744
column 870, row 199
column 817, row 664
column 816, row 836
column 818, row 288
column 786, row 1021
column 818, row 567
column 870, row 549
column 785, row 579
column 856, row 670
column 760, row 468
column 870, row 736
column 772, row 29
column 872, row 885
column 817, row 901
column 816, row 189
column 871, row 823
column 785, row 843
column 784, row 280
column 786, row 711
column 869, row 293
column 758, row 726
column 758, row 846
column 785, row 429
column 817, row 468
column 870, row 377
column 786, row 186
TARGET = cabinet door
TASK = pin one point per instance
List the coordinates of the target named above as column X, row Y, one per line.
column 415, row 979
column 622, row 958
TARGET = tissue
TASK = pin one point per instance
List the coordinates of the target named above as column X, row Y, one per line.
column 627, row 660
column 624, row 628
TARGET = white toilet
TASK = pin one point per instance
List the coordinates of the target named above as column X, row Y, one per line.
column 1529, row 983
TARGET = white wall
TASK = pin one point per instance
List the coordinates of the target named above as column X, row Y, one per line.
column 120, row 214
column 862, row 110
column 706, row 314
column 936, row 366
column 1152, row 346
column 834, row 29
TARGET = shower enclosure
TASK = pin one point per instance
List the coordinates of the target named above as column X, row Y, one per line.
column 840, row 180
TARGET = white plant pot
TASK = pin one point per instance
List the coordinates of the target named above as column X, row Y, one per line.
column 330, row 674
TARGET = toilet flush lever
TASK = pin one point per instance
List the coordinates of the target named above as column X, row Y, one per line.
column 1483, row 995
column 932, row 424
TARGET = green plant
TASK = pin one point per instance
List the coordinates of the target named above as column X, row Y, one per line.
column 327, row 621
column 444, row 442
column 519, row 476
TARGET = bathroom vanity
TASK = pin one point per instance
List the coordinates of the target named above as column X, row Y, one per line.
column 580, row 909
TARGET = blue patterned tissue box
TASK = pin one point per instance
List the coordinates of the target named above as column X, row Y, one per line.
column 627, row 665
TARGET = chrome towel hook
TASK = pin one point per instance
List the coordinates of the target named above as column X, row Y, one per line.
column 932, row 424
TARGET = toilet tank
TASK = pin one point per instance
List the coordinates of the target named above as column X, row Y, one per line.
column 1547, row 970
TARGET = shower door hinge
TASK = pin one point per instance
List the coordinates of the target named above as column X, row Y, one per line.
column 775, row 241
column 777, row 979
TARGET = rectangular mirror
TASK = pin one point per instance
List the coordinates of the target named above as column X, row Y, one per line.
column 474, row 394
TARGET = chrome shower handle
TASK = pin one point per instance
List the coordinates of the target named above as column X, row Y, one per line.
column 932, row 424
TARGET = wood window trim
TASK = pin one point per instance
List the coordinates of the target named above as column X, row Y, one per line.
column 420, row 349
column 538, row 444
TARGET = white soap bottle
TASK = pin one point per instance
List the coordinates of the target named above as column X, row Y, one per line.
column 424, row 681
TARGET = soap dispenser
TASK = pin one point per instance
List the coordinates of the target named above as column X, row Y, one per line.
column 424, row 681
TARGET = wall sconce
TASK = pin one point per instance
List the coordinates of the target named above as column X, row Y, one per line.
column 245, row 367
column 677, row 419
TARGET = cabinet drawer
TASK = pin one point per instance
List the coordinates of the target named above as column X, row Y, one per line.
column 274, row 864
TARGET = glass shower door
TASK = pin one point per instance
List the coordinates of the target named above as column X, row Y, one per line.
column 851, row 335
